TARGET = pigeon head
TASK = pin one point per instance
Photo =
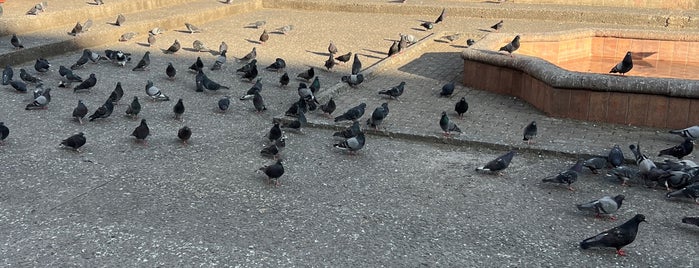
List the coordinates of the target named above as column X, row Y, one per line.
column 639, row 218
column 444, row 113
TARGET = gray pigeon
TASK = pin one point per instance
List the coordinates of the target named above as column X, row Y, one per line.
column 690, row 132
column 16, row 43
column 257, row 24
column 143, row 63
column 356, row 64
column 624, row 66
column 278, row 65
column 616, row 156
column 568, row 176
column 199, row 46
column 352, row 144
column 353, row 113
column 222, row 47
column 127, row 36
column 19, row 86
column 80, row 111
column 26, row 77
column 307, row 75
column 173, row 48
column 595, row 164
column 447, row 126
column 625, row 174
column 151, row 39
column 498, row 164
column 220, row 60
column 250, row 56
column 258, row 103
column 512, row 46
column 353, row 80
column 7, row 74
column 285, row 29
column 644, row 164
column 40, row 101
column 605, row 205
column 378, row 116
column 332, row 49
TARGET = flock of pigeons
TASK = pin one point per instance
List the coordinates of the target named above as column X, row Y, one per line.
column 680, row 178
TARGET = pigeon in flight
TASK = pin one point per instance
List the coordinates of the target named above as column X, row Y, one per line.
column 512, row 46
column 498, row 164
column 395, row 92
column 530, row 132
column 681, row 150
column 87, row 84
column 603, row 206
column 273, row 172
column 80, row 111
column 624, row 66
column 184, row 134
column 75, row 142
column 191, row 28
column 4, row 132
column 617, row 237
column 461, row 107
column 690, row 132
column 567, row 177
column 616, row 156
column 353, row 113
column 447, row 125
column 143, row 63
column 141, row 132
column 497, row 26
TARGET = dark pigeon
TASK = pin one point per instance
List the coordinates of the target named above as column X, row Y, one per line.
column 296, row 124
column 307, row 75
column 530, row 132
column 344, row 58
column 691, row 191
column 275, row 133
column 511, row 47
column 251, row 74
column 461, row 107
column 567, row 177
column 498, row 164
column 16, row 43
column 447, row 89
column 250, row 56
column 184, row 134
column 441, row 17
column 330, row 62
column 103, row 111
column 395, row 91
column 356, row 64
column 447, row 126
column 87, row 84
column 178, row 109
column 353, row 113
column 4, row 132
column 378, row 116
column 624, row 66
column 595, row 164
column 143, row 63
column 691, row 220
column 617, row 237
column 329, row 107
column 353, row 80
column 616, row 156
column 603, row 206
column 197, row 66
column 7, row 74
column 134, row 108
column 41, row 65
column 349, row 132
column 680, row 150
column 427, row 25
column 19, row 86
column 26, row 77
column 315, row 85
column 75, row 142
column 258, row 103
column 497, row 26
column 224, row 103
column 141, row 132
column 393, row 49
column 284, row 80
column 278, row 65
column 174, row 47
column 273, row 172
column 256, row 88
column 170, row 71
column 80, row 111
column 117, row 93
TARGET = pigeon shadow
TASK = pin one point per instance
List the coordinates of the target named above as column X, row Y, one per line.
column 182, row 31
column 318, row 53
column 441, row 41
column 417, row 65
column 372, row 56
column 642, row 55
column 143, row 44
column 375, row 51
column 397, row 1
column 193, row 50
column 250, row 27
column 254, row 41
column 418, row 29
column 486, row 30
column 391, row 40
column 459, row 46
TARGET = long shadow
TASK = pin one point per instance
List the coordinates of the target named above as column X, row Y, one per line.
column 375, row 51
column 418, row 66
column 318, row 53
column 418, row 29
column 253, row 41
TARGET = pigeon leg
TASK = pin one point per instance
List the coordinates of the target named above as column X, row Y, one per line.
column 621, row 252
column 612, row 218
column 570, row 188
column 80, row 120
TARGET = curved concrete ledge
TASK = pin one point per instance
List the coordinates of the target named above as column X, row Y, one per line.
column 647, row 101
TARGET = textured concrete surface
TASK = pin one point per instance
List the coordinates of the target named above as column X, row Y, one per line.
column 399, row 202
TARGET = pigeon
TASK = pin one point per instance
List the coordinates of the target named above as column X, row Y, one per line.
column 624, row 66
column 680, row 150
column 595, row 164
column 396, row 91
column 4, row 132
column 691, row 220
column 605, row 205
column 127, row 36
column 154, row 93
column 441, row 17
column 409, row 38
column 141, row 132
column 75, row 142
column 247, row 67
column 184, row 134
column 41, row 65
column 122, row 58
column 258, row 24
column 87, row 84
column 264, row 37
column 567, row 177
column 80, row 111
column 224, row 103
column 156, row 31
column 273, row 172
column 644, row 164
column 68, row 77
column 393, row 49
column 447, row 90
column 191, row 28
column 7, row 74
column 452, row 37
column 197, row 66
column 173, row 48
column 86, row 26
column 378, row 116
column 330, row 62
column 143, row 63
column 271, row 150
column 151, row 39
column 690, row 132
column 134, row 108
column 170, row 71
column 447, row 126
column 530, row 132
column 250, row 56
column 278, row 65
column 305, row 93
column 691, row 191
column 84, row 58
column 307, row 75
column 332, row 49
column 344, row 58
column 99, row 2
column 356, row 64
column 256, row 88
column 285, row 29
column 284, row 80
column 251, row 74
column 461, row 107
column 353, row 80
column 625, row 174
column 120, row 20
column 178, row 109
column 470, row 42
column 328, row 108
column 40, row 101
column 199, row 46
column 349, row 132
column 117, row 93
column 222, row 47
column 617, row 237
column 19, row 86
column 258, row 102
column 103, row 111
column 352, row 144
column 512, row 46
column 297, row 124
column 616, row 156
column 26, row 77
column 498, row 164
column 275, row 133
column 315, row 85
column 353, row 113
column 16, row 43
column 403, row 42
column 497, row 26
column 427, row 25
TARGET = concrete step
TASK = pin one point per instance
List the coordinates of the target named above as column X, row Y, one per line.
column 56, row 41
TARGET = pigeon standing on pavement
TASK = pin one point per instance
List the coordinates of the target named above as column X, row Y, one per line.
column 40, row 101
column 141, row 132
column 275, row 133
column 616, row 156
column 617, row 237
column 285, row 29
column 26, row 77
column 224, row 103
column 278, row 65
column 199, row 46
column 178, row 109
column 307, row 75
column 127, row 36
column 328, row 108
column 625, row 174
column 75, row 142
column 16, row 43
column 567, row 177
column 691, row 191
column 447, row 90
column 378, row 116
column 624, row 66
column 530, row 132
column 258, row 102
column 80, row 111
column 103, row 111
column 393, row 49
column 497, row 26
column 461, row 107
column 644, row 164
column 352, row 144
column 184, row 134
column 197, row 66
column 447, row 125
column 220, row 60
column 174, row 47
column 441, row 17
column 250, row 56
column 394, row 92
column 7, row 75
column 498, row 164
column 332, row 49
column 284, row 80
column 344, row 58
column 151, row 39
column 681, row 150
column 690, row 132
column 117, row 94
column 273, row 172
column 41, row 65
column 87, row 84
column 143, row 63
column 170, row 71
column 330, row 62
column 595, row 164
column 264, row 37
column 154, row 93
column 353, row 80
column 603, row 206
column 356, row 64
column 134, row 108
column 511, row 46
column 191, row 28
column 4, row 132
column 120, row 20
column 353, row 113
column 19, row 86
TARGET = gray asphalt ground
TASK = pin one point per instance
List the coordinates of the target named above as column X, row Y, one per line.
column 398, row 203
